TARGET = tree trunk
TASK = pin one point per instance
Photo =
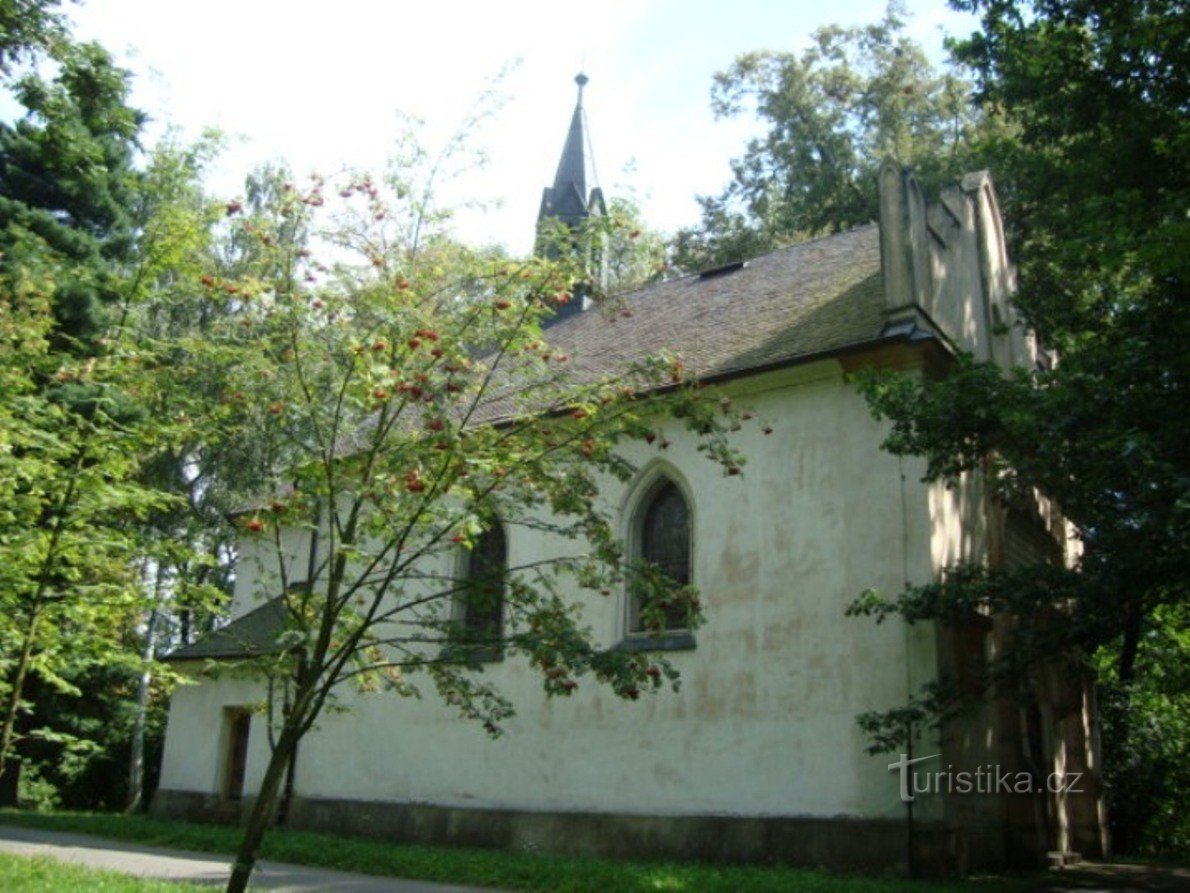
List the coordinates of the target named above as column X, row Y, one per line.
column 241, row 869
column 1120, row 706
column 13, row 707
column 1130, row 646
column 136, row 758
column 17, row 690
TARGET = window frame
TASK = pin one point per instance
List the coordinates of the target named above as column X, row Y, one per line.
column 641, row 497
column 459, row 646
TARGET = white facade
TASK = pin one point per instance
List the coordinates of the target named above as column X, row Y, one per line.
column 775, row 681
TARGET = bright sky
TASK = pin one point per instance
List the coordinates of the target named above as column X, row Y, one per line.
column 319, row 84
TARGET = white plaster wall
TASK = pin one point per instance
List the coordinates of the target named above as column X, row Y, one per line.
column 765, row 721
column 258, row 576
column 196, row 739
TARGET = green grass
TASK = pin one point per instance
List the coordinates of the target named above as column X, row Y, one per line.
column 512, row 871
column 41, row 874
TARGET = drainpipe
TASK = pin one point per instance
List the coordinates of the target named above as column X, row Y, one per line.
column 910, row 860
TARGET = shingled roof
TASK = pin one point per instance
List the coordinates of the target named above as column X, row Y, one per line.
column 783, row 307
column 795, row 302
column 252, row 635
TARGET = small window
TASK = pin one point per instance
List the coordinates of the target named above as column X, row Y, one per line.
column 480, row 614
column 661, row 538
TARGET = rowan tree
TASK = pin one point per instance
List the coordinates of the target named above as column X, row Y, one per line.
column 406, row 399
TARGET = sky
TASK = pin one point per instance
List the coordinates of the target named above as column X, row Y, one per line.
column 321, row 85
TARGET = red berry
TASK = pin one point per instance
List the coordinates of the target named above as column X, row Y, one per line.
column 256, row 525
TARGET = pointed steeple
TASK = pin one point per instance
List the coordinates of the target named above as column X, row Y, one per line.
column 568, row 199
column 567, row 204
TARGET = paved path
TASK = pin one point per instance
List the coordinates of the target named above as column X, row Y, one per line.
column 202, row 868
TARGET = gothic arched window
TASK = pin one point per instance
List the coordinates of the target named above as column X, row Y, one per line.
column 481, row 601
column 661, row 538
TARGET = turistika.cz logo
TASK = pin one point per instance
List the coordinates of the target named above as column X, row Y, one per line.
column 988, row 779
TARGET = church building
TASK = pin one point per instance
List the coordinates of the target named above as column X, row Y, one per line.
column 759, row 756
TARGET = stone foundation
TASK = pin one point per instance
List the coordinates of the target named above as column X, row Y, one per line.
column 838, row 843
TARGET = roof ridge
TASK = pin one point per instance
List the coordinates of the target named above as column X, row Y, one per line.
column 753, row 257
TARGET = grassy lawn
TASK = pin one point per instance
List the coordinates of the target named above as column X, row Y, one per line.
column 28, row 874
column 512, row 871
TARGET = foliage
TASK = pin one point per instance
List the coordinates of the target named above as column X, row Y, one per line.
column 67, row 533
column 68, row 180
column 633, row 255
column 834, row 113
column 1095, row 186
column 86, row 239
column 1147, row 736
column 84, row 762
column 496, row 868
column 27, row 27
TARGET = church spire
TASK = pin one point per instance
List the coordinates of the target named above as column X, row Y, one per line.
column 568, row 199
column 567, row 204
